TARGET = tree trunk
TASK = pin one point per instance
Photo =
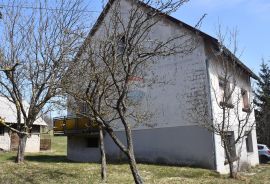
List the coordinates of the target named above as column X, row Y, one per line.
column 103, row 155
column 133, row 167
column 21, row 148
column 232, row 174
column 130, row 154
column 230, row 162
column 132, row 161
column 129, row 151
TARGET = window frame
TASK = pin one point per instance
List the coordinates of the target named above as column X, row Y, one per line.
column 121, row 44
column 249, row 142
column 245, row 100
column 223, row 87
column 82, row 107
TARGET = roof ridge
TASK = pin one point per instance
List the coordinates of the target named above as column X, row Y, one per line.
column 173, row 19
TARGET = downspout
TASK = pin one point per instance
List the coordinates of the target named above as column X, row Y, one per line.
column 211, row 111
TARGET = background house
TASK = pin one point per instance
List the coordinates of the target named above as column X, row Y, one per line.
column 173, row 138
column 9, row 140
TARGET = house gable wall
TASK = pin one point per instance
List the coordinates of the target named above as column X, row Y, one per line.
column 179, row 78
column 172, row 137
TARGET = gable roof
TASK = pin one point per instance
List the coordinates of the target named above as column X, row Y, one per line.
column 206, row 36
column 8, row 112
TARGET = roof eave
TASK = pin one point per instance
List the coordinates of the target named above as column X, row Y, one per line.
column 240, row 63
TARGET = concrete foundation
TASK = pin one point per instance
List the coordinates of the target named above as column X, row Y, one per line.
column 183, row 145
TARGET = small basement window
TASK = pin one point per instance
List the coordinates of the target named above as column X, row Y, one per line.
column 249, row 143
column 2, row 130
column 92, row 142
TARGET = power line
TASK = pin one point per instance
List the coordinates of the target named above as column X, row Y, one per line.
column 43, row 8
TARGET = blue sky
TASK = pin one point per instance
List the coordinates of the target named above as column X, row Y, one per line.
column 251, row 17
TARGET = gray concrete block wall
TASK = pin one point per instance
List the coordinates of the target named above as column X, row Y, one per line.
column 185, row 145
column 77, row 150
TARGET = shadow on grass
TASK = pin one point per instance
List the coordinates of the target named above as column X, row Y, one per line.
column 172, row 170
column 48, row 158
column 37, row 176
column 45, row 158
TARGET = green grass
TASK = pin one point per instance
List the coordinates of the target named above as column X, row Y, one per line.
column 59, row 145
column 53, row 167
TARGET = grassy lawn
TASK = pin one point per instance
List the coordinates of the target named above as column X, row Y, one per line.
column 53, row 167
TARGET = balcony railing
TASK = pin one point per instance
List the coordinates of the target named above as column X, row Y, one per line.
column 74, row 125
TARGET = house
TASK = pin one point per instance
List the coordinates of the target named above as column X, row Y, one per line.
column 173, row 139
column 10, row 140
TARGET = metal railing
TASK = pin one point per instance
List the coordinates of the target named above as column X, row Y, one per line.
column 73, row 125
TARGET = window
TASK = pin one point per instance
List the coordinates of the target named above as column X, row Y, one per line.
column 83, row 108
column 117, row 45
column 121, row 44
column 2, row 130
column 35, row 129
column 249, row 144
column 260, row 147
column 224, row 88
column 229, row 139
column 92, row 142
column 245, row 99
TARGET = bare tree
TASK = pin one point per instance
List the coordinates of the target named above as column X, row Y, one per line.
column 231, row 111
column 48, row 119
column 262, row 110
column 116, row 58
column 36, row 47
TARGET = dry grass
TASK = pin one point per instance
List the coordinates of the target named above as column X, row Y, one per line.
column 52, row 167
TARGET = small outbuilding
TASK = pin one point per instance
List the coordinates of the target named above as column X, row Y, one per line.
column 8, row 139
